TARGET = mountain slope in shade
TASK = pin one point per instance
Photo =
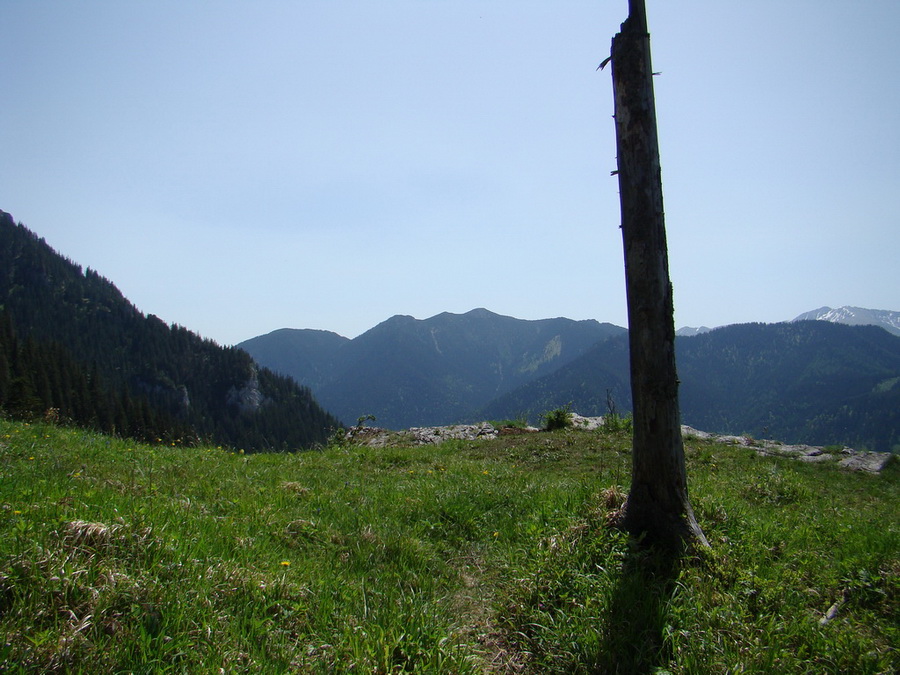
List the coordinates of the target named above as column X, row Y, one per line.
column 417, row 372
column 72, row 345
column 807, row 382
column 309, row 356
column 855, row 316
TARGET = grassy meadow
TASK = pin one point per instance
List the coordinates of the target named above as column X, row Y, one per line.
column 492, row 556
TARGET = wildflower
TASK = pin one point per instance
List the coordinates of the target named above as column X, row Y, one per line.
column 17, row 512
column 485, row 472
column 496, row 534
column 285, row 563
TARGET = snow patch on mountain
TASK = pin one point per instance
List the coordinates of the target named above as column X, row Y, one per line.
column 855, row 316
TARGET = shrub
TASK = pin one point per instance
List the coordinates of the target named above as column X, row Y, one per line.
column 616, row 422
column 561, row 418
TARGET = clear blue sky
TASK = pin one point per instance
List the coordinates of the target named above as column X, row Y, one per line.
column 237, row 167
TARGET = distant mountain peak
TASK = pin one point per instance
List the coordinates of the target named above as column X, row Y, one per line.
column 421, row 372
column 855, row 316
column 690, row 331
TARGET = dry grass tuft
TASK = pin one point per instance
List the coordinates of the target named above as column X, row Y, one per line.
column 614, row 502
column 613, row 497
column 84, row 534
column 297, row 488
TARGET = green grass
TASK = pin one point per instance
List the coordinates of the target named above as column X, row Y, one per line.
column 469, row 557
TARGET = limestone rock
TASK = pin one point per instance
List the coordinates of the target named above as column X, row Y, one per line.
column 248, row 398
column 872, row 462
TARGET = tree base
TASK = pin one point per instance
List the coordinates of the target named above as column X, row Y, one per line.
column 655, row 525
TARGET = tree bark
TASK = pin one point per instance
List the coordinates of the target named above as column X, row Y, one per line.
column 657, row 508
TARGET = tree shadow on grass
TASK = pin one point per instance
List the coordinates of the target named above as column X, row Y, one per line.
column 633, row 632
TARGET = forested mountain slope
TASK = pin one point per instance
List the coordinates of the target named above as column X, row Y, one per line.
column 440, row 370
column 72, row 346
column 810, row 382
column 309, row 356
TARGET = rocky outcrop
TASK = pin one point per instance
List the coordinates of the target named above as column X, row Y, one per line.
column 379, row 438
column 846, row 458
column 248, row 398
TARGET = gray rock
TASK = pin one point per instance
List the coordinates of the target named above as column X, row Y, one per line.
column 248, row 398
column 585, row 423
column 464, row 432
column 690, row 432
column 871, row 462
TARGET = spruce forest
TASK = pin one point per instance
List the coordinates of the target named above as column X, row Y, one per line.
column 73, row 349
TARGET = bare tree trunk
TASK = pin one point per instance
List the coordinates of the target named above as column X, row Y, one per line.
column 658, row 506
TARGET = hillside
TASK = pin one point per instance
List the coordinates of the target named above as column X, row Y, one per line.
column 72, row 347
column 310, row 357
column 811, row 382
column 464, row 558
column 410, row 372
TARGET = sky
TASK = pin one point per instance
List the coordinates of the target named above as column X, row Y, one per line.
column 237, row 167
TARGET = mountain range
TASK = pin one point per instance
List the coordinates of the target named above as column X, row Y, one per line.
column 855, row 316
column 417, row 372
column 806, row 381
column 850, row 316
column 73, row 348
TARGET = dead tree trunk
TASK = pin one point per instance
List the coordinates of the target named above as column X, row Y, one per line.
column 657, row 506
